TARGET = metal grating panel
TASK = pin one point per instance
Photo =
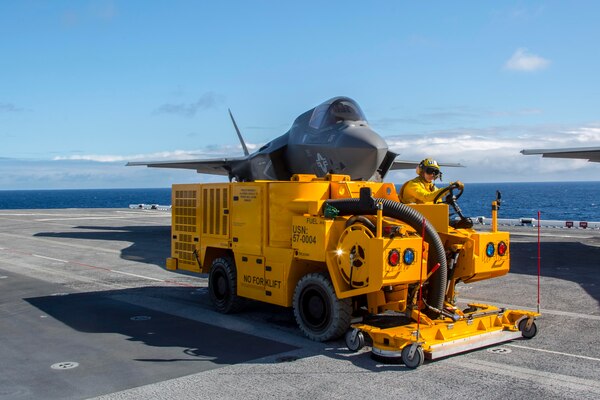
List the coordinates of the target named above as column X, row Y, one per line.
column 215, row 220
column 184, row 219
column 184, row 249
column 184, row 212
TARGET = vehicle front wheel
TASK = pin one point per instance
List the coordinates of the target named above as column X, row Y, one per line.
column 319, row 313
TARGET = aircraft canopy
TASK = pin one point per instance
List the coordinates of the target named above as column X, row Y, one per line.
column 335, row 110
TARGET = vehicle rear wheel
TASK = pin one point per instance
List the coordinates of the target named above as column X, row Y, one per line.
column 319, row 313
column 222, row 286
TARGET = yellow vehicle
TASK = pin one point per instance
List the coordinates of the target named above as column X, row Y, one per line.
column 349, row 258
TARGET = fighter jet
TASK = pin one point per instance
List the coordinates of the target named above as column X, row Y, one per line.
column 591, row 154
column 333, row 137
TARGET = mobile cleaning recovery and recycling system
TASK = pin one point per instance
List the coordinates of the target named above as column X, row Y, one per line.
column 350, row 259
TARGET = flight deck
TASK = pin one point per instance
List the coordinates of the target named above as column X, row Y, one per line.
column 87, row 309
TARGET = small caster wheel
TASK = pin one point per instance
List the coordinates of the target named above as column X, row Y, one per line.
column 527, row 331
column 413, row 356
column 355, row 340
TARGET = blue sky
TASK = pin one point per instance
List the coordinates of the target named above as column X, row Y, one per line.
column 86, row 86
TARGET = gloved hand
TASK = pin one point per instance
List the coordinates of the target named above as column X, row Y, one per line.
column 458, row 184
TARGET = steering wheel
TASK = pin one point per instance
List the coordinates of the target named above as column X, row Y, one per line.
column 450, row 196
column 450, row 199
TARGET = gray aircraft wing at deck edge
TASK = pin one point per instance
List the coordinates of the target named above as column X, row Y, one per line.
column 591, row 154
column 217, row 166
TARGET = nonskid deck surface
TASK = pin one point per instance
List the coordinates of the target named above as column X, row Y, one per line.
column 88, row 309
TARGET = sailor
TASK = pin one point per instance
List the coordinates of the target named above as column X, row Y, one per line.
column 422, row 189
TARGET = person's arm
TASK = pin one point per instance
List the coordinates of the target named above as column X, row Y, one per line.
column 417, row 191
column 426, row 196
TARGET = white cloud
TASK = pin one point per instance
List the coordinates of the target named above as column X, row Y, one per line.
column 103, row 10
column 98, row 10
column 10, row 107
column 207, row 152
column 493, row 154
column 456, row 114
column 81, row 174
column 110, row 158
column 584, row 134
column 206, row 101
column 522, row 60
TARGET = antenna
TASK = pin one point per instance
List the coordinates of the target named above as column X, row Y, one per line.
column 238, row 133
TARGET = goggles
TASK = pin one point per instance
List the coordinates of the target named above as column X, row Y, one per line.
column 432, row 171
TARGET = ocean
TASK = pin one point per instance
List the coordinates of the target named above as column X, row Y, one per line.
column 579, row 201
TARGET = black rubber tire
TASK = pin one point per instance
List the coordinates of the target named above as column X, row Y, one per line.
column 222, row 286
column 417, row 359
column 354, row 340
column 527, row 333
column 319, row 313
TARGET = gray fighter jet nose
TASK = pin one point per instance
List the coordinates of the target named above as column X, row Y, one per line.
column 343, row 147
column 364, row 151
column 363, row 136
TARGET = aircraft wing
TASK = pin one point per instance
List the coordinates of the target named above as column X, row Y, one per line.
column 585, row 153
column 404, row 164
column 217, row 166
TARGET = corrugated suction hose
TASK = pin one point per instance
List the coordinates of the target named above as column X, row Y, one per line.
column 366, row 205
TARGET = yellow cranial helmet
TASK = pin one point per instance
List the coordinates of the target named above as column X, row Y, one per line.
column 429, row 164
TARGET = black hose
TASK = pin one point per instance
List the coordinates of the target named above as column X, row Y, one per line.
column 363, row 220
column 402, row 212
